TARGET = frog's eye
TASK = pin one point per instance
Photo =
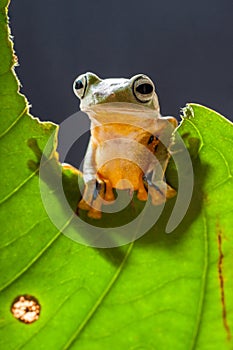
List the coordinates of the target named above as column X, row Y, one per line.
column 143, row 89
column 79, row 86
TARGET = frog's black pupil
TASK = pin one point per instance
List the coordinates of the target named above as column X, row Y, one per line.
column 144, row 88
column 78, row 85
column 151, row 139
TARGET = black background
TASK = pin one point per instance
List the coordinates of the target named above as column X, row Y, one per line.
column 186, row 47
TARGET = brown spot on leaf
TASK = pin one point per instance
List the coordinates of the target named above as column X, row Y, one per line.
column 26, row 308
column 221, row 282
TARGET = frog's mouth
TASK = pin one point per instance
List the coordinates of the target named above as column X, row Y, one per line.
column 121, row 112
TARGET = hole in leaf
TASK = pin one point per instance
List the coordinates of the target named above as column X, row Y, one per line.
column 26, row 308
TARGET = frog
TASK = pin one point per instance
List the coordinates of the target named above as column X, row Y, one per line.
column 129, row 146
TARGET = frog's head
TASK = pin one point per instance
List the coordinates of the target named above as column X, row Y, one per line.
column 138, row 90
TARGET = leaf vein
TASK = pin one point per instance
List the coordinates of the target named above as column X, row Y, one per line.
column 203, row 285
column 50, row 318
column 198, row 132
column 155, row 289
column 99, row 300
column 14, row 122
column 36, row 257
column 18, row 187
column 7, row 244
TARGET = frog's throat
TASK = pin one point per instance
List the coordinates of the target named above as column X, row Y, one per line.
column 121, row 113
column 122, row 108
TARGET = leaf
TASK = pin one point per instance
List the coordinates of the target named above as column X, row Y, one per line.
column 160, row 292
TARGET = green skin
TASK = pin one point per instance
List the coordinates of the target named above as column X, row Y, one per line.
column 118, row 94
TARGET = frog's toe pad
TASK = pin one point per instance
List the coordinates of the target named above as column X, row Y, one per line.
column 170, row 193
column 83, row 205
column 94, row 214
column 109, row 197
column 142, row 196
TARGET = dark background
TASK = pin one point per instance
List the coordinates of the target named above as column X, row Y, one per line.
column 186, row 47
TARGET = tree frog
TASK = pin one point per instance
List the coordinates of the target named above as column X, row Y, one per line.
column 129, row 143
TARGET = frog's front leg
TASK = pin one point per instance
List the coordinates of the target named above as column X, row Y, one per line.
column 158, row 188
column 89, row 176
column 85, row 202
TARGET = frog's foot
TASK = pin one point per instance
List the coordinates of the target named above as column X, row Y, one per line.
column 160, row 191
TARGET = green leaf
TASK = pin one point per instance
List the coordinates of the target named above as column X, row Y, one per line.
column 163, row 291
